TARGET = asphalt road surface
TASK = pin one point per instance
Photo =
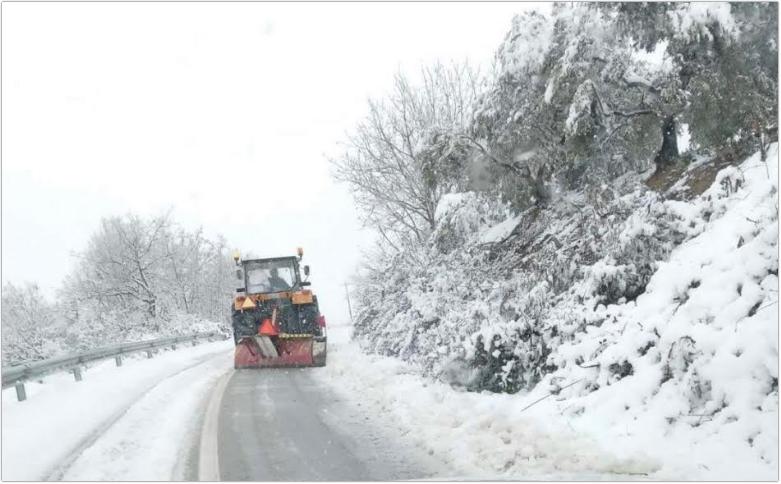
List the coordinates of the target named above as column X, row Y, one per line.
column 282, row 425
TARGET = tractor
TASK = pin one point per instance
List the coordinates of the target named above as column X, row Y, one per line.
column 276, row 318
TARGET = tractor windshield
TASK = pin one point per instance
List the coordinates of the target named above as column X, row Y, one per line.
column 270, row 275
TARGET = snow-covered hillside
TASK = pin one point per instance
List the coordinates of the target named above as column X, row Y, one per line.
column 651, row 325
column 692, row 363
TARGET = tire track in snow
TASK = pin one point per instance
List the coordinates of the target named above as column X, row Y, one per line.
column 58, row 471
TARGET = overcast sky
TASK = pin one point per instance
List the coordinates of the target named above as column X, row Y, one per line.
column 223, row 112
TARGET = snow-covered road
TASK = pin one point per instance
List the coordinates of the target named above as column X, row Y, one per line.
column 139, row 421
column 144, row 420
column 157, row 436
column 361, row 417
column 283, row 424
column 365, row 417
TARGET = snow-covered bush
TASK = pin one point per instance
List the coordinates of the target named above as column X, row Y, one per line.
column 461, row 214
column 29, row 323
column 503, row 308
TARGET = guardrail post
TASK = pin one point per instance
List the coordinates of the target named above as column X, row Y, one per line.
column 21, row 395
column 77, row 373
column 118, row 360
column 149, row 353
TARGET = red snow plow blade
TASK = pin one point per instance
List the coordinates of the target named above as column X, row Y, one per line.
column 253, row 352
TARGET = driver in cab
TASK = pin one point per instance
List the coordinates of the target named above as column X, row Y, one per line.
column 276, row 283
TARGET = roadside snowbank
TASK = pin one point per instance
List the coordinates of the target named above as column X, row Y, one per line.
column 477, row 435
column 61, row 417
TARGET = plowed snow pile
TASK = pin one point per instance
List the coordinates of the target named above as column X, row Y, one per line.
column 662, row 364
column 481, row 436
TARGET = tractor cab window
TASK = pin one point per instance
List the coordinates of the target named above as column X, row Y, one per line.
column 270, row 276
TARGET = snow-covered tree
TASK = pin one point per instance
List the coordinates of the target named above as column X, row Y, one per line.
column 408, row 151
column 723, row 67
column 596, row 90
column 122, row 266
column 29, row 323
column 153, row 269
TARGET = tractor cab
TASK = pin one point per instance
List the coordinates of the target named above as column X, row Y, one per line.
column 263, row 276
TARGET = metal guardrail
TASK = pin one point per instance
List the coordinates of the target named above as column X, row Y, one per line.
column 16, row 373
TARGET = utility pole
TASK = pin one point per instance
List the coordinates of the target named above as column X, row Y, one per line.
column 349, row 307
